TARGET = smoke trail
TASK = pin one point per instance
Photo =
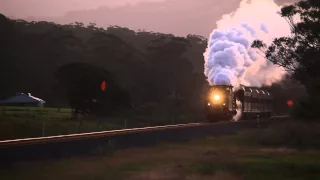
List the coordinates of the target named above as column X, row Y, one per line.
column 229, row 58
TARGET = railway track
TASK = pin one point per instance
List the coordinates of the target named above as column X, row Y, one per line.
column 86, row 143
column 100, row 134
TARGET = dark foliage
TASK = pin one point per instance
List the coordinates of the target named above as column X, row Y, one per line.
column 64, row 64
column 299, row 54
column 80, row 84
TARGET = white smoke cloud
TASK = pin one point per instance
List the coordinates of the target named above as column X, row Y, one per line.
column 229, row 58
column 264, row 28
column 239, row 112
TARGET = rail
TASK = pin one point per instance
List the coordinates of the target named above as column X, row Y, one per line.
column 74, row 137
column 100, row 134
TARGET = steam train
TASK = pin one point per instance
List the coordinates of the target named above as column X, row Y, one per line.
column 247, row 102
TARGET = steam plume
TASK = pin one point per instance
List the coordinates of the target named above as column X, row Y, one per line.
column 229, row 58
column 239, row 112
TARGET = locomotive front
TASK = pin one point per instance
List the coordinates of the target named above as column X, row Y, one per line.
column 218, row 104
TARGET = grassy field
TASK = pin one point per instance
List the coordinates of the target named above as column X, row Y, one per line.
column 26, row 122
column 21, row 127
column 280, row 152
column 36, row 112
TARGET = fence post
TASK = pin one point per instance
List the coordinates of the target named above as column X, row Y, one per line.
column 258, row 120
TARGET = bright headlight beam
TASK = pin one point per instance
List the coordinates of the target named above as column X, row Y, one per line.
column 216, row 97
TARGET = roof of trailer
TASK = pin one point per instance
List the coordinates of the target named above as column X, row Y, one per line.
column 255, row 90
column 251, row 89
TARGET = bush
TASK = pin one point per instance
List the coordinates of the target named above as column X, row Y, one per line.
column 295, row 134
column 305, row 110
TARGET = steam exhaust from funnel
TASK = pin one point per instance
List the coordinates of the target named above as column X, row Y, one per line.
column 239, row 111
column 229, row 58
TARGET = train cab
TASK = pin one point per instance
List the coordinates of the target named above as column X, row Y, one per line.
column 219, row 103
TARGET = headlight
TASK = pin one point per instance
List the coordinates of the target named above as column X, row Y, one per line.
column 216, row 98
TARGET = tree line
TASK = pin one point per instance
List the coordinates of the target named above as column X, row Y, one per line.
column 152, row 73
column 61, row 64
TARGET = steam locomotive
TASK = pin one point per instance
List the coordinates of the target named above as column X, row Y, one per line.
column 247, row 102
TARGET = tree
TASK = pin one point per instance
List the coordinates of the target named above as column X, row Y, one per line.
column 299, row 53
column 171, row 73
column 33, row 52
column 7, row 54
column 81, row 85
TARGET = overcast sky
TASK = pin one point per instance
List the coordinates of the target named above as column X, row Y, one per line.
column 180, row 17
column 25, row 8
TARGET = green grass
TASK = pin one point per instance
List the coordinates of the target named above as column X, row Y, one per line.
column 297, row 166
column 27, row 122
column 22, row 127
column 91, row 168
column 35, row 112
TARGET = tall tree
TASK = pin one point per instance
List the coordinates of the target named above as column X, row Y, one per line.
column 90, row 89
column 171, row 73
column 299, row 53
column 7, row 55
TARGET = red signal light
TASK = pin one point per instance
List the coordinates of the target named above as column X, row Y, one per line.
column 290, row 103
column 103, row 85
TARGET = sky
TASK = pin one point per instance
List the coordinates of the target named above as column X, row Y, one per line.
column 179, row 17
column 25, row 8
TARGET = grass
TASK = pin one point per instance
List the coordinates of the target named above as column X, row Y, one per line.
column 22, row 127
column 295, row 166
column 35, row 112
column 248, row 155
column 27, row 122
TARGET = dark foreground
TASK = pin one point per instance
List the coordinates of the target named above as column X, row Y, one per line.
column 96, row 145
column 252, row 154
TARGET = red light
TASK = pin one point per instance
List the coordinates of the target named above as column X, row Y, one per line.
column 290, row 103
column 103, row 86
